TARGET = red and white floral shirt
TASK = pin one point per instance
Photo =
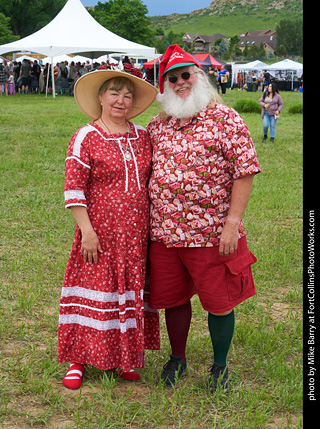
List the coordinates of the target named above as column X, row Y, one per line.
column 194, row 168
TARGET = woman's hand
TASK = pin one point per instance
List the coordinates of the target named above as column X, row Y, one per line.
column 90, row 244
column 90, row 247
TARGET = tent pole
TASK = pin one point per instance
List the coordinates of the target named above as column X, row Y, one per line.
column 47, row 84
column 154, row 74
column 52, row 77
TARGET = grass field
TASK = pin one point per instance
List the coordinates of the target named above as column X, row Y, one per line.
column 36, row 234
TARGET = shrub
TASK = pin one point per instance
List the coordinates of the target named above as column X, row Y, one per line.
column 296, row 108
column 245, row 105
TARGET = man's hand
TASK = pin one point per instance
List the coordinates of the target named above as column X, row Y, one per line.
column 229, row 238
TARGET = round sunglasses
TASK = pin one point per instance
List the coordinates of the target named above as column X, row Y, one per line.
column 173, row 78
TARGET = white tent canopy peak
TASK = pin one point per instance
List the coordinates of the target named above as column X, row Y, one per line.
column 75, row 31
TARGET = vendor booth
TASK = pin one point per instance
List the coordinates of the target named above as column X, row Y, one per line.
column 288, row 74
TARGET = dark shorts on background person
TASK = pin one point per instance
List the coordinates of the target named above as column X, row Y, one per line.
column 25, row 81
column 222, row 282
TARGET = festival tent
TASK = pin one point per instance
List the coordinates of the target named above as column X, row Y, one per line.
column 75, row 31
column 208, row 60
column 252, row 66
column 151, row 64
column 288, row 66
column 58, row 59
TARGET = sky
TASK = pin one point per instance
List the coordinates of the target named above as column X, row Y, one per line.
column 164, row 7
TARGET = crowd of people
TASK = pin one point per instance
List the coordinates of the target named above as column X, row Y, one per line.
column 27, row 76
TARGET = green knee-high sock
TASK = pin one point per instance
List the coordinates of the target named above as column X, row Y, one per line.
column 221, row 331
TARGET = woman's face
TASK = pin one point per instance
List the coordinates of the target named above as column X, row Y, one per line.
column 270, row 88
column 116, row 104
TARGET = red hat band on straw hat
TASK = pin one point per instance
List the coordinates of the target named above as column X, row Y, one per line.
column 174, row 57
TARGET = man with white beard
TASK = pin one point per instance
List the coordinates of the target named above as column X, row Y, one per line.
column 204, row 162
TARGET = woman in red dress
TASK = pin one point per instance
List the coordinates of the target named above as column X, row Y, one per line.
column 104, row 317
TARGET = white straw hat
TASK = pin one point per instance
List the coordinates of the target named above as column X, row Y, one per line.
column 86, row 92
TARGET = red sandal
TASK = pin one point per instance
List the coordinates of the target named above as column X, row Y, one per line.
column 74, row 376
column 131, row 375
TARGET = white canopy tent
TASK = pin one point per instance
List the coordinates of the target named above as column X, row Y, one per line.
column 75, row 31
column 286, row 66
column 58, row 59
column 252, row 66
column 276, row 69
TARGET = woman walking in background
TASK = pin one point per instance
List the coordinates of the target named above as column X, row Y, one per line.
column 272, row 104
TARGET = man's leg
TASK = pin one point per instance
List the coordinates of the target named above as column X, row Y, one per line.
column 178, row 321
column 221, row 328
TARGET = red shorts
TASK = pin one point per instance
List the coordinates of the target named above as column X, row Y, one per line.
column 222, row 282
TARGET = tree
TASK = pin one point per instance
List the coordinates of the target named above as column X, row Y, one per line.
column 28, row 16
column 6, row 35
column 290, row 35
column 223, row 48
column 126, row 18
column 234, row 49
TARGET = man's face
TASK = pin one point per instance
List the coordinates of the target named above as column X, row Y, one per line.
column 182, row 87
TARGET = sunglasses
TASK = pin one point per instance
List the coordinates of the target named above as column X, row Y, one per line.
column 173, row 78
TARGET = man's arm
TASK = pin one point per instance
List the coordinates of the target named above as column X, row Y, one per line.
column 239, row 200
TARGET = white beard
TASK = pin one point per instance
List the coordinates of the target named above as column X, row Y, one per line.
column 177, row 107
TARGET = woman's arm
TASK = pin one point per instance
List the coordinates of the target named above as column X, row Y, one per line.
column 90, row 244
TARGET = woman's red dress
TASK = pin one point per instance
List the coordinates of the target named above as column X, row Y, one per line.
column 104, row 316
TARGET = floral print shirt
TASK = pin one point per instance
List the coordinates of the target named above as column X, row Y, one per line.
column 194, row 168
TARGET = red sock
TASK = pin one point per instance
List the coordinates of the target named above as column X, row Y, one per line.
column 178, row 321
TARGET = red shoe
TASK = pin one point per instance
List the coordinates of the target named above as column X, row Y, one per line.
column 131, row 375
column 74, row 375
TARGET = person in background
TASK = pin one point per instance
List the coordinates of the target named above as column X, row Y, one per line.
column 213, row 75
column 272, row 104
column 223, row 79
column 36, row 70
column 25, row 76
column 4, row 74
column 203, row 166
column 254, row 82
column 249, row 81
column 266, row 78
column 72, row 77
column 104, row 317
column 11, row 84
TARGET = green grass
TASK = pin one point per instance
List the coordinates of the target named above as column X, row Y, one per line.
column 36, row 234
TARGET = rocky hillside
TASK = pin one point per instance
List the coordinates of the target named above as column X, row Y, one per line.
column 259, row 14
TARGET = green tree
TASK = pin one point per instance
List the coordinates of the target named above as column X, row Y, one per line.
column 290, row 35
column 28, row 16
column 126, row 18
column 223, row 48
column 6, row 35
column 280, row 51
